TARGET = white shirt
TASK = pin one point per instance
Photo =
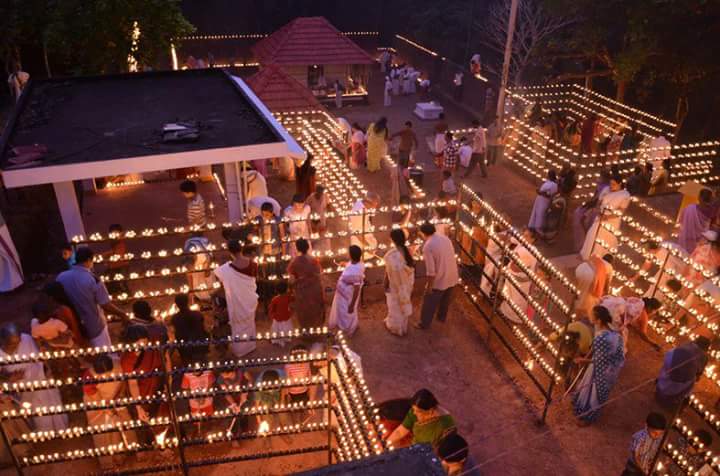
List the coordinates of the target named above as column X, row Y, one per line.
column 440, row 143
column 346, row 127
column 465, row 153
column 479, row 141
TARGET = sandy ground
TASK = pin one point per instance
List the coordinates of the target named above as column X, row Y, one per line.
column 493, row 401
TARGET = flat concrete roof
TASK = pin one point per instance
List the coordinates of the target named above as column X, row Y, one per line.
column 111, row 125
column 417, row 460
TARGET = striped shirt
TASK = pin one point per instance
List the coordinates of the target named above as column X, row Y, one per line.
column 298, row 370
column 196, row 211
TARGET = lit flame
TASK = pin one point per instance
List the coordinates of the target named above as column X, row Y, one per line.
column 264, row 427
column 160, row 438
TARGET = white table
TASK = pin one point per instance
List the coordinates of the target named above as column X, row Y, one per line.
column 428, row 110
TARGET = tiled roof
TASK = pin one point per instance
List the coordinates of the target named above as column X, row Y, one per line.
column 280, row 92
column 309, row 40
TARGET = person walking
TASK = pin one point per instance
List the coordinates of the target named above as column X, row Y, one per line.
column 682, row 367
column 377, row 136
column 408, row 142
column 478, row 150
column 89, row 298
column 494, row 142
column 442, row 275
column 344, row 309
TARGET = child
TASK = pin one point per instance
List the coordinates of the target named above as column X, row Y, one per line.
column 67, row 253
column 448, row 184
column 49, row 332
column 280, row 313
column 644, row 446
column 199, row 381
column 235, row 402
column 454, row 456
column 195, row 205
column 298, row 370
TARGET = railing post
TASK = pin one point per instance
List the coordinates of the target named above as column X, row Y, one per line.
column 660, row 274
column 328, row 347
column 497, row 290
column 597, row 232
column 173, row 412
column 8, row 443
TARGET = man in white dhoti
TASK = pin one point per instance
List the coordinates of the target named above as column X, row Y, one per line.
column 395, row 77
column 11, row 273
column 361, row 225
column 238, row 280
column 593, row 278
column 256, row 184
column 12, row 342
column 200, row 260
column 616, row 200
column 388, row 90
column 516, row 292
column 343, row 313
column 544, row 196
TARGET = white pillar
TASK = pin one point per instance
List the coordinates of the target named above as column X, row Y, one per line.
column 507, row 59
column 232, row 191
column 69, row 209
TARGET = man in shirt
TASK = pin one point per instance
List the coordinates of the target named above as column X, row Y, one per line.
column 451, row 153
column 644, row 446
column 478, row 150
column 195, row 204
column 408, row 141
column 454, row 456
column 441, row 272
column 255, row 206
column 89, row 297
column 493, row 135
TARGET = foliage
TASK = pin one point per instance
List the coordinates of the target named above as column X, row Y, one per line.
column 92, row 36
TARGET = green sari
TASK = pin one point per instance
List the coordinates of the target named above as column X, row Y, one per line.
column 430, row 431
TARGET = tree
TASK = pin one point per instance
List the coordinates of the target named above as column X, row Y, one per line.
column 534, row 26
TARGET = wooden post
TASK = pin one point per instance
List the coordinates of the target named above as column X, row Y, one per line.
column 660, row 274
column 328, row 360
column 597, row 232
column 173, row 412
column 8, row 443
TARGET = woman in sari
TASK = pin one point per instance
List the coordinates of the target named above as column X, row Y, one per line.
column 13, row 342
column 603, row 368
column 399, row 281
column 695, row 219
column 542, row 201
column 585, row 214
column 615, row 201
column 343, row 313
column 305, row 279
column 426, row 421
column 377, row 137
column 706, row 254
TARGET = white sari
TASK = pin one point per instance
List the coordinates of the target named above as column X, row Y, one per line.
column 242, row 300
column 401, row 279
column 542, row 202
column 340, row 318
column 510, row 292
column 610, row 203
column 39, row 398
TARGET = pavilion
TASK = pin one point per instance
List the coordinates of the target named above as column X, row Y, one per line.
column 316, row 54
column 282, row 93
column 92, row 127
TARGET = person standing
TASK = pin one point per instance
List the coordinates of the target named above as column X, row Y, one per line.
column 451, row 152
column 343, row 312
column 695, row 219
column 339, row 90
column 395, row 77
column 588, row 133
column 306, row 282
column 388, row 90
column 494, row 141
column 298, row 216
column 189, row 326
column 377, row 137
column 615, row 201
column 603, row 368
column 399, row 282
column 408, row 142
column 516, row 293
column 682, row 367
column 442, row 275
column 360, row 222
column 15, row 343
column 238, row 278
column 89, row 298
column 478, row 150
column 200, row 260
column 544, row 197
column 357, row 147
column 593, row 279
column 195, row 204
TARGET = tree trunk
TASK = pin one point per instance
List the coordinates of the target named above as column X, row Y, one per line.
column 45, row 58
column 621, row 89
column 681, row 111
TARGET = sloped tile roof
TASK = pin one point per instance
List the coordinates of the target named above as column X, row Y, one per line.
column 280, row 92
column 309, row 40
